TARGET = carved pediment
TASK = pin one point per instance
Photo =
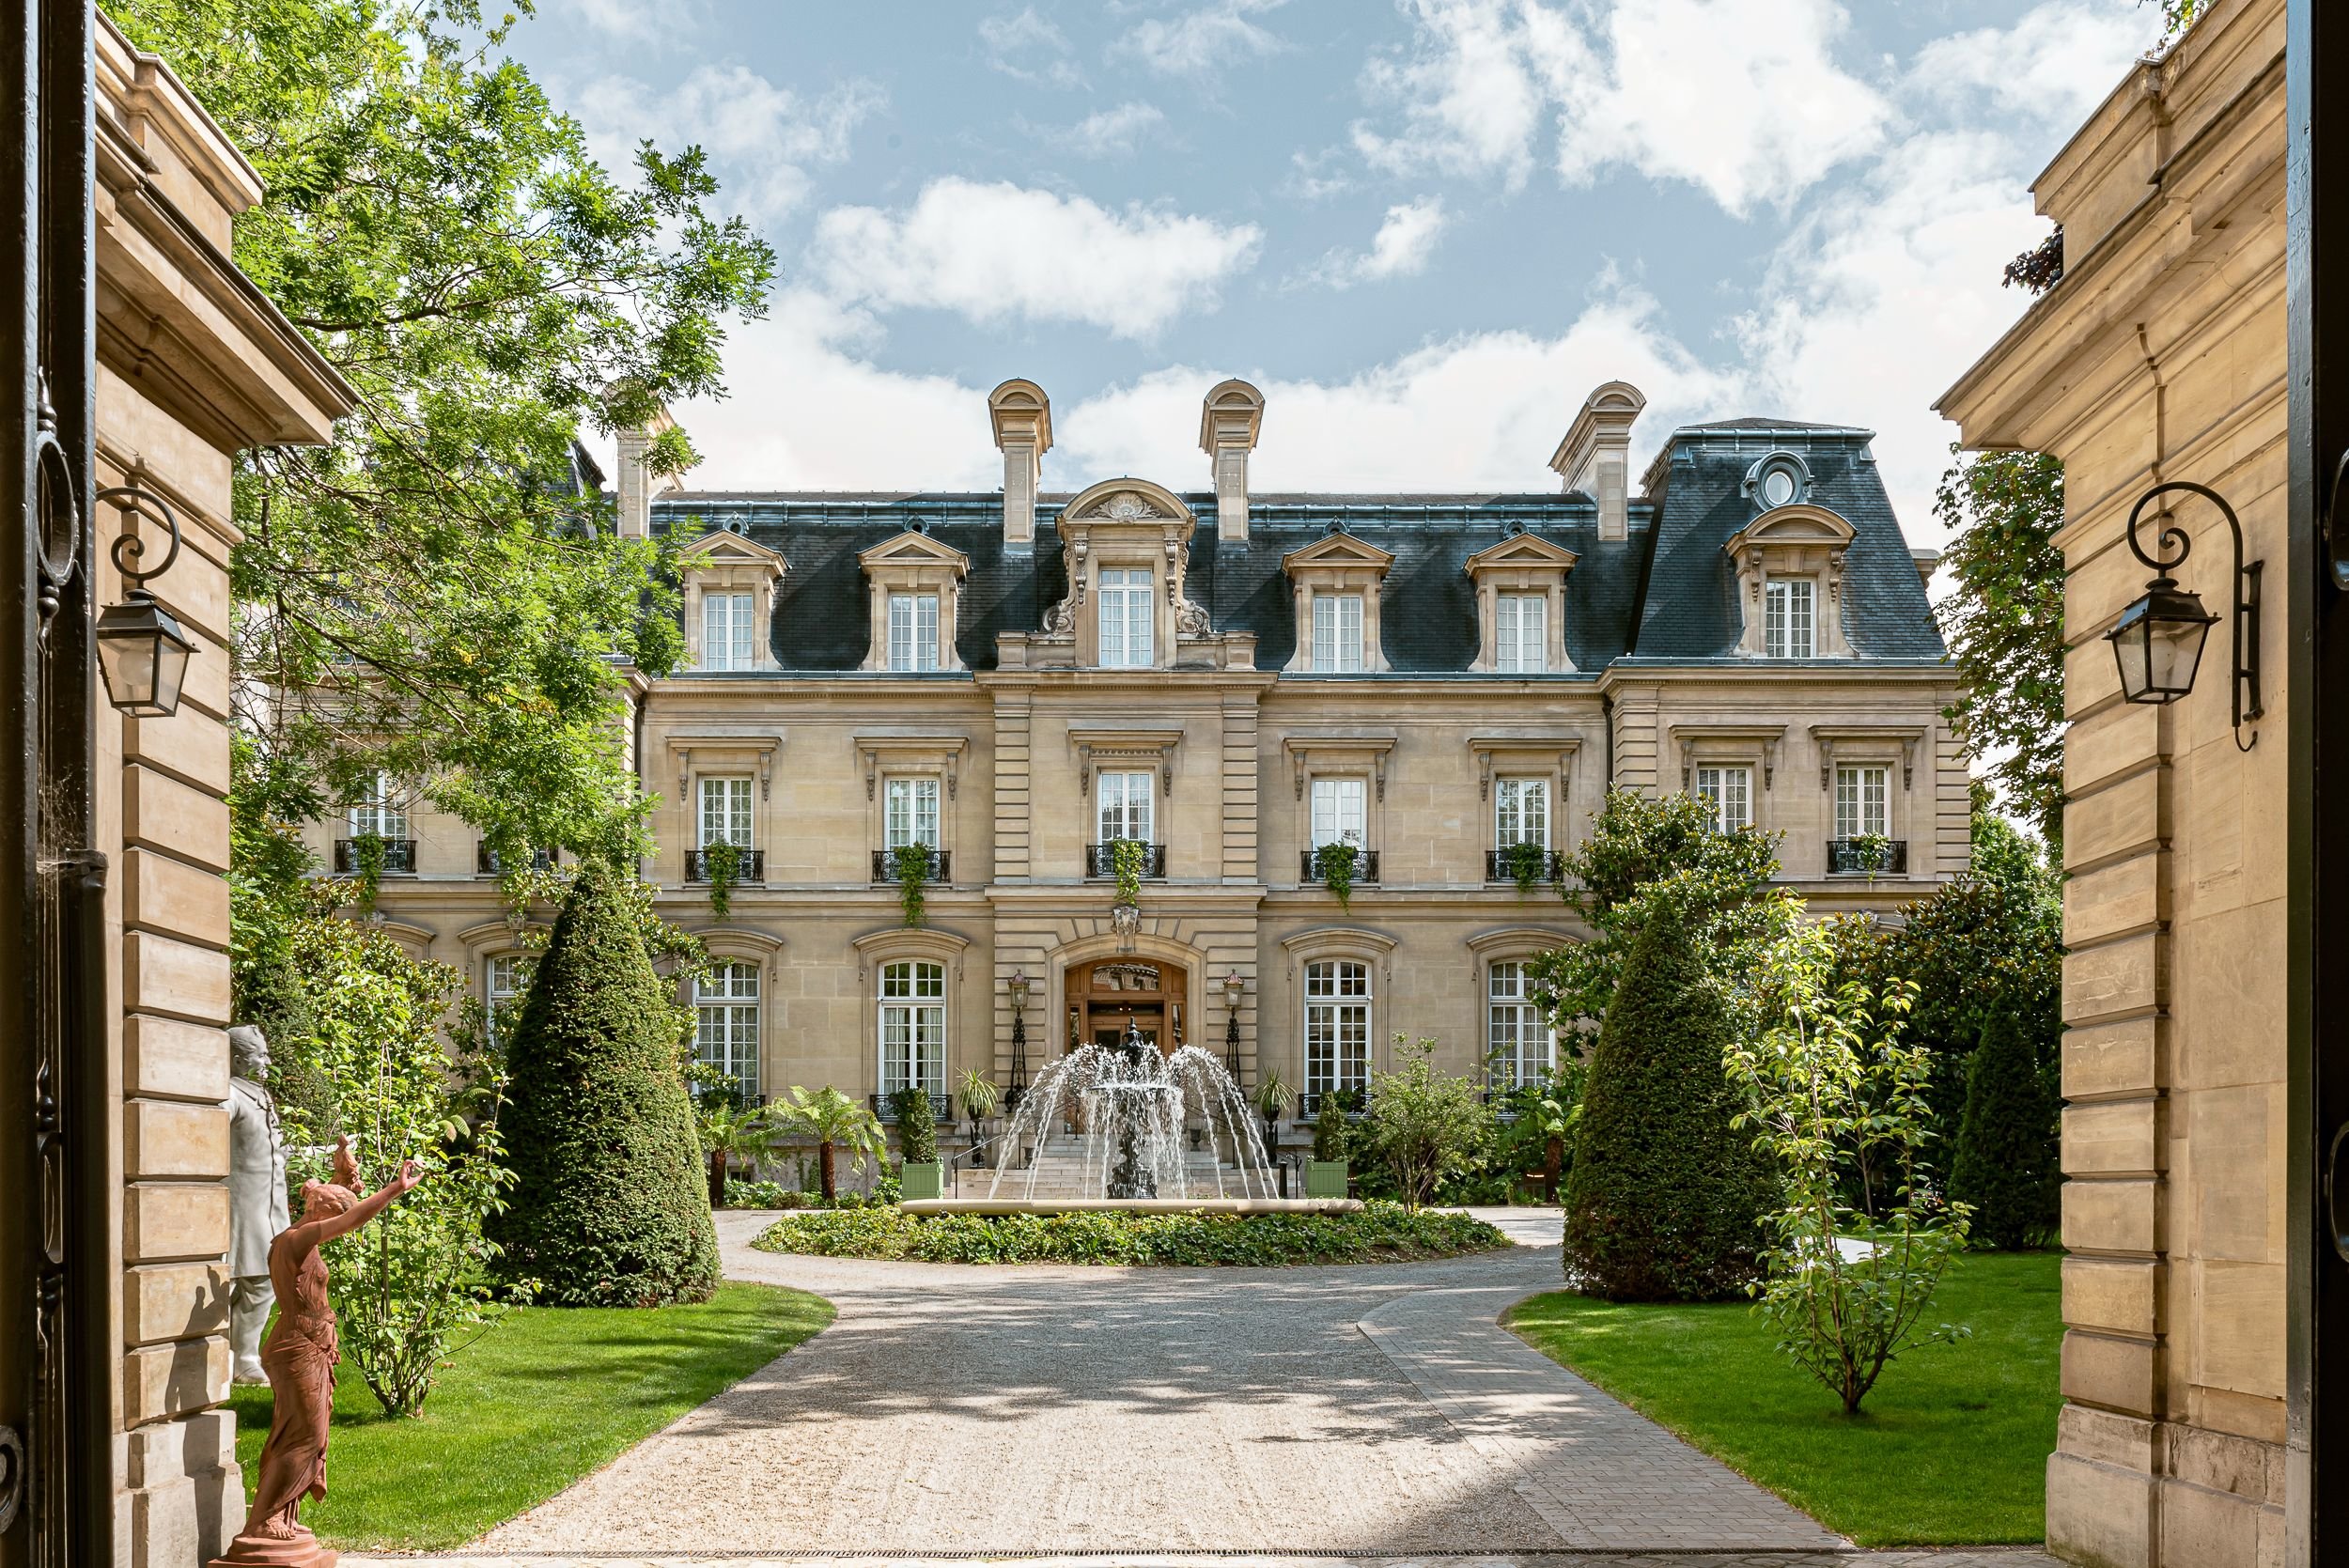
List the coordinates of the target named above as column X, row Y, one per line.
column 722, row 548
column 914, row 547
column 1124, row 506
column 1522, row 550
column 1795, row 525
column 1338, row 550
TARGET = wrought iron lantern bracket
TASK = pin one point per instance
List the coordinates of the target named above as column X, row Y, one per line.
column 2163, row 603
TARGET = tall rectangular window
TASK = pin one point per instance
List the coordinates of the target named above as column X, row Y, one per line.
column 1337, row 634
column 1521, row 633
column 1339, row 812
column 1787, row 620
column 1337, row 1025
column 378, row 811
column 504, row 981
column 910, row 813
column 1864, row 802
column 913, row 1027
column 725, row 631
column 1124, row 800
column 1517, row 1032
column 913, row 631
column 1728, row 793
column 1520, row 811
column 725, row 1024
column 725, row 815
column 1126, row 613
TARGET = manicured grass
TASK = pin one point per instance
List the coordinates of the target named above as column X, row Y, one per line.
column 1949, row 1448
column 1378, row 1232
column 545, row 1396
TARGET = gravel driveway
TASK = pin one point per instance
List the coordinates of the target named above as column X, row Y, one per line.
column 1372, row 1411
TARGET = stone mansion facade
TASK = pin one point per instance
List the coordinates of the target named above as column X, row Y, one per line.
column 1017, row 680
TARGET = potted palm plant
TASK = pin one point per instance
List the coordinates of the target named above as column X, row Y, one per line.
column 977, row 1098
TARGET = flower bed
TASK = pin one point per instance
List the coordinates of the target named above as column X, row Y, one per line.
column 1380, row 1232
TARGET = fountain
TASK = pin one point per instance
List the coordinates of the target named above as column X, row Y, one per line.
column 1126, row 1109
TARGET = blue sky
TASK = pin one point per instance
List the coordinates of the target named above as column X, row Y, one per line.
column 1425, row 230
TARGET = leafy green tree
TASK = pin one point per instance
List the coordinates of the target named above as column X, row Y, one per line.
column 729, row 1131
column 1424, row 1126
column 432, row 593
column 833, row 1122
column 2003, row 619
column 609, row 1207
column 410, row 1289
column 1637, row 841
column 1663, row 1200
column 2006, row 1167
column 1826, row 1084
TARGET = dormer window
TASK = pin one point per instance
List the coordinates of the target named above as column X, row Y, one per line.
column 1337, row 634
column 1789, row 564
column 1520, row 604
column 1781, row 479
column 730, row 583
column 1335, row 581
column 726, row 630
column 916, row 593
column 913, row 631
column 1127, row 609
column 1791, row 619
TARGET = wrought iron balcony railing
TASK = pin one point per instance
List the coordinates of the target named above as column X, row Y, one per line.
column 399, row 856
column 1500, row 865
column 941, row 868
column 750, row 865
column 1101, row 858
column 485, row 861
column 1867, row 856
column 1308, row 1101
column 1311, row 868
column 941, row 1107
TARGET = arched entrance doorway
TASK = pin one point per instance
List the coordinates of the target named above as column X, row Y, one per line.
column 1108, row 994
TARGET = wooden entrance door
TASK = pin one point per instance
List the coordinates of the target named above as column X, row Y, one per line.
column 1107, row 995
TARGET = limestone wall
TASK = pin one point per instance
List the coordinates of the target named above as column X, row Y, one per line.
column 2161, row 356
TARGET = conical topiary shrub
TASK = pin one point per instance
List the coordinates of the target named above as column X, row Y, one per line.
column 2005, row 1164
column 1664, row 1198
column 609, row 1207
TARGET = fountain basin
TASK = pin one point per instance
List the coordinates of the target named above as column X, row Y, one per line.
column 1131, row 1205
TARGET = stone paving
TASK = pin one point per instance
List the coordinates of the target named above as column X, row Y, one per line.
column 1170, row 1417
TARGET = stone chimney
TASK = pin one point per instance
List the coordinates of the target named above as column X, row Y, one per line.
column 1022, row 416
column 1595, row 456
column 636, row 486
column 1229, row 419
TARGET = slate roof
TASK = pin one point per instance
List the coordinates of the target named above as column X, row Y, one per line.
column 1666, row 593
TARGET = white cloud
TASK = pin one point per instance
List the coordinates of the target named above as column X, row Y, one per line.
column 1114, row 132
column 763, row 138
column 1740, row 98
column 2055, row 65
column 1030, row 48
column 626, row 21
column 1000, row 252
column 1405, row 241
column 1196, row 42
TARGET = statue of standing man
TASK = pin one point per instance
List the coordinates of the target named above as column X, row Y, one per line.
column 257, row 1197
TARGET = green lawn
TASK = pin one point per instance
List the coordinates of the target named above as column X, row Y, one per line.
column 1949, row 1448
column 548, row 1395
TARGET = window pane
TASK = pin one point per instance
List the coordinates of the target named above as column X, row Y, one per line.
column 1339, row 812
column 1862, row 801
column 1125, row 803
column 1521, row 638
column 900, row 632
column 725, row 811
column 1520, row 811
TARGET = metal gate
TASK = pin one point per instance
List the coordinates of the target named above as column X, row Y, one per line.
column 56, row 1482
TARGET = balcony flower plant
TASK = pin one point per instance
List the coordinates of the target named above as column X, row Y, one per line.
column 1525, row 862
column 722, row 863
column 910, row 863
column 1336, row 861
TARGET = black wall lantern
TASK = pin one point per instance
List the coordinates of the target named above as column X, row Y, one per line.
column 2158, row 640
column 142, row 652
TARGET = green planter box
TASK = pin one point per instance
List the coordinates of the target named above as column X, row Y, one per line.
column 1325, row 1178
column 924, row 1178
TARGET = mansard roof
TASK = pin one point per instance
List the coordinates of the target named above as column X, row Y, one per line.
column 1664, row 592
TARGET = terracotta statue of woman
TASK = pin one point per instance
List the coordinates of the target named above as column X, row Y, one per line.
column 300, row 1360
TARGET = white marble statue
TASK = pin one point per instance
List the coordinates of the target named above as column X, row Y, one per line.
column 257, row 1209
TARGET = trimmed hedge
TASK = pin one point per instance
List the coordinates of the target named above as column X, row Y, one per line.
column 1662, row 1203
column 2006, row 1164
column 610, row 1207
column 1378, row 1232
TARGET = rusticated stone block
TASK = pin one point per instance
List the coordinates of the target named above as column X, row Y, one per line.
column 164, row 1380
column 2114, row 1373
column 2207, row 1527
column 2121, row 1295
column 174, row 978
column 2113, row 1138
column 165, row 1139
column 173, row 1059
column 2099, row 1515
column 2117, row 1058
column 175, row 1301
column 173, row 1221
column 2112, row 1215
column 164, row 893
column 161, row 813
